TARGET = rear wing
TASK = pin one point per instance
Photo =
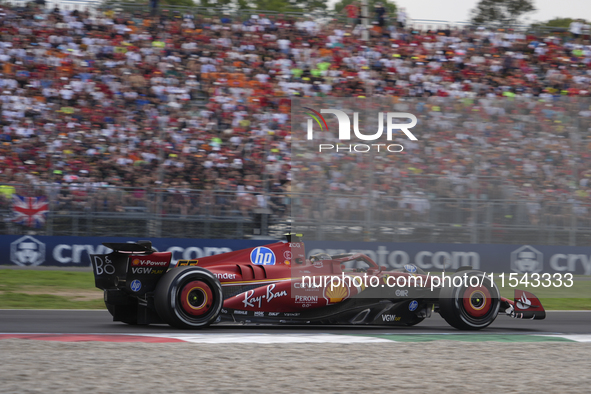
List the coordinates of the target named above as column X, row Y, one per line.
column 132, row 267
column 139, row 246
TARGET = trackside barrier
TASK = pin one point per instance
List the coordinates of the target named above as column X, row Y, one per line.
column 28, row 250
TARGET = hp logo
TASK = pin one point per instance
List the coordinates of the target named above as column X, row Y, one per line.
column 262, row 256
column 136, row 285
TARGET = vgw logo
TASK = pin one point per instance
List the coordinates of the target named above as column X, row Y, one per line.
column 345, row 130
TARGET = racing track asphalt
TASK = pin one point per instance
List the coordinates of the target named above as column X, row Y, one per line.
column 99, row 322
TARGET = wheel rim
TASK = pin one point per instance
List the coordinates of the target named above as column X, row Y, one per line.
column 196, row 298
column 477, row 301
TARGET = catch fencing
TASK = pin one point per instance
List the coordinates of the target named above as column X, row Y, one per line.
column 77, row 210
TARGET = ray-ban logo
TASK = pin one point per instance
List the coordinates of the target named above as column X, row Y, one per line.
column 345, row 129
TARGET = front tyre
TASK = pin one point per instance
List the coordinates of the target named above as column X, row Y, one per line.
column 188, row 297
column 471, row 306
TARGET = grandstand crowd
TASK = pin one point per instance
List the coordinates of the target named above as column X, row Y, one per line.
column 183, row 102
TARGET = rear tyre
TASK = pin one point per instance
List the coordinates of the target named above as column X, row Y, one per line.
column 468, row 307
column 188, row 297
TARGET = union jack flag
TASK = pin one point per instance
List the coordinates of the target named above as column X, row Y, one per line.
column 30, row 211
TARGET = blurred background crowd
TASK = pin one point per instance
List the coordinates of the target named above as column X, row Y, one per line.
column 200, row 107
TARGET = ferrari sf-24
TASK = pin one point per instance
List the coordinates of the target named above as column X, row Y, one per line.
column 267, row 285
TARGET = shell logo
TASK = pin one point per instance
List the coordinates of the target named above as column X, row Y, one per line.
column 286, row 262
column 135, row 262
column 336, row 294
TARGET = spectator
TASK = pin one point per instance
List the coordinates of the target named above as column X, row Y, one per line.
column 353, row 11
column 575, row 28
column 153, row 7
column 401, row 18
column 380, row 11
column 117, row 99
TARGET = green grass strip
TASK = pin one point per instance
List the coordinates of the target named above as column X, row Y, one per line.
column 46, row 301
column 32, row 289
column 14, row 280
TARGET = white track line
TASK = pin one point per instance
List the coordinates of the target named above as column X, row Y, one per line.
column 270, row 338
column 312, row 338
column 296, row 338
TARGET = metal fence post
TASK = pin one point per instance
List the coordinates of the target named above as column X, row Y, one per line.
column 49, row 225
column 572, row 233
column 75, row 224
column 159, row 215
column 320, row 223
column 489, row 221
column 473, row 221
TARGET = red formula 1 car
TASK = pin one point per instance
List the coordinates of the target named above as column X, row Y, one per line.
column 277, row 284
